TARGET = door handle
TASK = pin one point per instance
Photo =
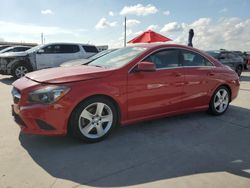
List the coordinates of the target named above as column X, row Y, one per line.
column 177, row 74
column 210, row 74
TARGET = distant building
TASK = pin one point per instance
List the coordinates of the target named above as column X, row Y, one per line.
column 18, row 43
column 101, row 48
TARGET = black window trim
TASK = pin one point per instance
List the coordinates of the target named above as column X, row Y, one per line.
column 131, row 70
column 79, row 49
column 212, row 65
column 157, row 51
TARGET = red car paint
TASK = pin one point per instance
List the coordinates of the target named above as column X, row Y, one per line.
column 139, row 96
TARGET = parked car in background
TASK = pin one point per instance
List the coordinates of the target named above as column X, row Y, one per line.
column 4, row 46
column 244, row 56
column 248, row 59
column 231, row 59
column 15, row 49
column 43, row 56
column 78, row 62
column 129, row 85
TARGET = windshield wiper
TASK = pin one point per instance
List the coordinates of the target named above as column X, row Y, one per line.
column 97, row 66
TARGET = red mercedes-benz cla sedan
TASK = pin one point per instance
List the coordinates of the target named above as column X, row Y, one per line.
column 128, row 85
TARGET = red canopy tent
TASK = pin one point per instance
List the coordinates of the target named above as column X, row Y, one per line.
column 149, row 37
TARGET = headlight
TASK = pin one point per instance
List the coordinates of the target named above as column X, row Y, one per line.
column 48, row 94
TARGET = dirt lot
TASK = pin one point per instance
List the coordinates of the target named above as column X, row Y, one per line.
column 193, row 150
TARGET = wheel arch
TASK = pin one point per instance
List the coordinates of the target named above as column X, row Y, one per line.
column 229, row 89
column 21, row 62
column 116, row 104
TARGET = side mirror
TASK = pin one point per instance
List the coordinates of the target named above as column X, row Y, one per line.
column 40, row 51
column 145, row 66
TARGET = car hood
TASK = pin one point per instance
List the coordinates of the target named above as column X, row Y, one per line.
column 68, row 74
column 76, row 62
column 14, row 54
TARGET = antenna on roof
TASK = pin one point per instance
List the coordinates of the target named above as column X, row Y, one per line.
column 190, row 37
column 42, row 40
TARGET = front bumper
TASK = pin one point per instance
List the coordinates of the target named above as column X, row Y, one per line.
column 4, row 67
column 40, row 119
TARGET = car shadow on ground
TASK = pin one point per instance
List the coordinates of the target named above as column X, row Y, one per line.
column 7, row 81
column 170, row 147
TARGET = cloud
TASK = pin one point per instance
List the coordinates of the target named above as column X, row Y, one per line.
column 129, row 32
column 111, row 13
column 12, row 31
column 47, row 12
column 139, row 10
column 138, row 33
column 152, row 27
column 201, row 22
column 104, row 23
column 227, row 33
column 171, row 27
column 131, row 23
column 223, row 10
column 167, row 12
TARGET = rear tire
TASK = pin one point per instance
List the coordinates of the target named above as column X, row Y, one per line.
column 239, row 69
column 93, row 119
column 220, row 101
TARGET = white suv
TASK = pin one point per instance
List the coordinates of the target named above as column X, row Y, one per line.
column 43, row 56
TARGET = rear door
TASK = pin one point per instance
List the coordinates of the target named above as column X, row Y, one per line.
column 199, row 79
column 65, row 52
column 159, row 92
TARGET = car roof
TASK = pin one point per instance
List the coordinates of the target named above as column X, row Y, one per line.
column 163, row 45
column 69, row 43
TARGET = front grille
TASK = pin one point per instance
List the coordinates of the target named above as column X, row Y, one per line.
column 16, row 95
column 43, row 125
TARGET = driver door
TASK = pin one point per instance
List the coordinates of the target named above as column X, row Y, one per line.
column 159, row 92
column 45, row 57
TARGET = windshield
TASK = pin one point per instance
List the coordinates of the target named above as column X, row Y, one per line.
column 100, row 54
column 118, row 58
column 6, row 49
column 34, row 48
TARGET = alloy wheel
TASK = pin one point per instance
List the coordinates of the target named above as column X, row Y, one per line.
column 21, row 71
column 95, row 120
column 221, row 100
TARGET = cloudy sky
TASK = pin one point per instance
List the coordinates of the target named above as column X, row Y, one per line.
column 217, row 23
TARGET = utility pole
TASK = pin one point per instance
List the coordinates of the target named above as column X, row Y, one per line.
column 125, row 31
column 42, row 40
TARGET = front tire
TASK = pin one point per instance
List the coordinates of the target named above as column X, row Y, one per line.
column 220, row 101
column 20, row 70
column 93, row 119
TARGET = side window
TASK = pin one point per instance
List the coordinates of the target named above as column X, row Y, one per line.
column 49, row 49
column 64, row 48
column 69, row 49
column 90, row 49
column 164, row 58
column 223, row 56
column 193, row 59
column 231, row 55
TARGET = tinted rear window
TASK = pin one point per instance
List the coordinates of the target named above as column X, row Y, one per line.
column 69, row 49
column 61, row 48
column 90, row 49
